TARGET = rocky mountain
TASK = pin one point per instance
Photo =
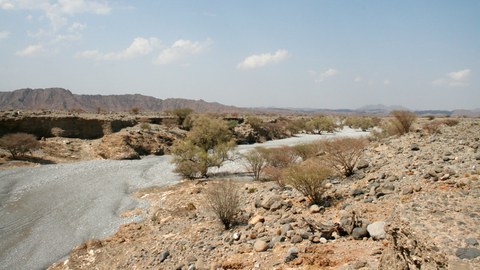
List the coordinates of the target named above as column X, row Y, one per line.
column 62, row 99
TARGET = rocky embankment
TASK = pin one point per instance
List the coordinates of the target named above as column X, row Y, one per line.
column 413, row 203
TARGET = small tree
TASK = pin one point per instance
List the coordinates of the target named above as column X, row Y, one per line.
column 223, row 199
column 308, row 178
column 135, row 110
column 255, row 162
column 402, row 121
column 343, row 153
column 207, row 145
column 321, row 123
column 18, row 144
column 182, row 114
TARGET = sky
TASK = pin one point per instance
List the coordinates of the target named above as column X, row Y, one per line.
column 296, row 54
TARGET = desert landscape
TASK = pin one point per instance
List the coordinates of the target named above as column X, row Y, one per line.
column 216, row 135
column 306, row 191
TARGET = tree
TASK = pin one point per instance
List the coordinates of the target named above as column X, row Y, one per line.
column 182, row 114
column 207, row 144
column 308, row 178
column 343, row 153
column 223, row 199
column 18, row 144
column 321, row 123
column 255, row 162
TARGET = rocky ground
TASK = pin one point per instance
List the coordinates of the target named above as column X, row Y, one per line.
column 413, row 203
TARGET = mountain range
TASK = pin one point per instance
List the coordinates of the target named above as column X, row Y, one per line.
column 62, row 99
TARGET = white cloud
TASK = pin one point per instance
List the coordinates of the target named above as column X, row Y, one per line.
column 75, row 27
column 4, row 34
column 58, row 11
column 459, row 75
column 454, row 79
column 321, row 76
column 30, row 50
column 139, row 47
column 387, row 82
column 260, row 60
column 358, row 79
column 180, row 49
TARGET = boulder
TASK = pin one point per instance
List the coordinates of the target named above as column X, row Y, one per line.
column 359, row 233
column 270, row 200
column 377, row 230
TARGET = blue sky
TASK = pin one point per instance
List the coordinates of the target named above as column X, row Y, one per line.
column 315, row 54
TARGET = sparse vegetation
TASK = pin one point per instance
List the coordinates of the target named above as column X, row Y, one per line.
column 433, row 127
column 19, row 144
column 361, row 122
column 183, row 115
column 223, row 199
column 343, row 153
column 135, row 110
column 255, row 162
column 402, row 122
column 308, row 178
column 207, row 145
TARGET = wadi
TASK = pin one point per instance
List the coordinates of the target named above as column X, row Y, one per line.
column 186, row 189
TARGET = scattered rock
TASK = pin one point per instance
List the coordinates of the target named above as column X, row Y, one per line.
column 314, row 209
column 377, row 230
column 414, row 147
column 260, row 246
column 256, row 219
column 292, row 254
column 270, row 200
column 359, row 233
column 296, row 239
column 468, row 253
column 362, row 164
column 164, row 255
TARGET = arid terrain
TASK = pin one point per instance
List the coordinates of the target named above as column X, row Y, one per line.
column 412, row 202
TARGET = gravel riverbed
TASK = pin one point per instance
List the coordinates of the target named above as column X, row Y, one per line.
column 47, row 210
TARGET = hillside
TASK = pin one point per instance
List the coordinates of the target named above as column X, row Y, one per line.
column 62, row 99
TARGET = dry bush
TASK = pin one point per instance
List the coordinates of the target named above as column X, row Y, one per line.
column 343, row 153
column 307, row 150
column 18, row 144
column 402, row 122
column 57, row 132
column 255, row 162
column 450, row 122
column 279, row 157
column 275, row 174
column 223, row 199
column 432, row 127
column 145, row 126
column 308, row 178
column 135, row 110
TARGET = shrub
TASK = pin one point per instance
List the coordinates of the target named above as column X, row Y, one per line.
column 206, row 145
column 308, row 178
column 223, row 199
column 135, row 110
column 18, row 144
column 360, row 122
column 450, row 122
column 279, row 157
column 307, row 150
column 343, row 153
column 402, row 121
column 255, row 162
column 182, row 114
column 432, row 127
column 145, row 126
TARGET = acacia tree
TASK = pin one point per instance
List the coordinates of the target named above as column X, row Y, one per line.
column 18, row 144
column 207, row 144
column 321, row 123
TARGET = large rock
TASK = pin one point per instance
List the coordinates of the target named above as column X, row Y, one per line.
column 271, row 200
column 377, row 230
column 359, row 233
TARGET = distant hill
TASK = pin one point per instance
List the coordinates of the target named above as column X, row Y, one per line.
column 62, row 99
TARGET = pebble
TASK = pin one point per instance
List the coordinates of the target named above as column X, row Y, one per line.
column 260, row 246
